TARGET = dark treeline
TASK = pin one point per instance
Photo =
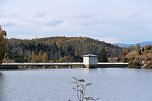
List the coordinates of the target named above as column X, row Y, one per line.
column 2, row 43
column 57, row 49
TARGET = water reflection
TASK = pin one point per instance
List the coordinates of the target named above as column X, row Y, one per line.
column 88, row 70
column 1, row 86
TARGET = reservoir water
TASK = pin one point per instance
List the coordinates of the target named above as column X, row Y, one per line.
column 109, row 84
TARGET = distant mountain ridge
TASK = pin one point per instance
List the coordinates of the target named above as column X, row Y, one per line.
column 142, row 44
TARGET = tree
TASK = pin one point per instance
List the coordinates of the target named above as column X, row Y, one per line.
column 44, row 57
column 39, row 56
column 103, row 55
column 60, row 47
column 137, row 49
column 124, row 52
column 2, row 43
column 146, row 49
column 70, row 50
column 33, row 58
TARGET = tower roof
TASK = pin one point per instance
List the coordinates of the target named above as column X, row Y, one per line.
column 90, row 55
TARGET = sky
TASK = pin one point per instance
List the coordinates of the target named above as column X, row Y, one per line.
column 127, row 21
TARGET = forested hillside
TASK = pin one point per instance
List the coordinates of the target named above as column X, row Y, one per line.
column 56, row 49
column 140, row 57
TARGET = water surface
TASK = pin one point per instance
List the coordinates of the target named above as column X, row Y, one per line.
column 55, row 84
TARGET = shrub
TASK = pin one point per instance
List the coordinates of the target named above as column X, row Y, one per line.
column 148, row 65
column 134, row 64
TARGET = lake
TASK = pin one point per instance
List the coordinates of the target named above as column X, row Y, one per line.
column 109, row 84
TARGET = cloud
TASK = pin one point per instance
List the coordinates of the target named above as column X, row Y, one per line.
column 40, row 15
column 54, row 23
column 9, row 24
column 12, row 15
column 84, row 16
column 118, row 20
column 134, row 15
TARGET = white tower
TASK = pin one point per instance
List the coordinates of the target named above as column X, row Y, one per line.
column 90, row 61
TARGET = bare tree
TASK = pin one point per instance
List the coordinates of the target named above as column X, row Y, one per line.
column 80, row 90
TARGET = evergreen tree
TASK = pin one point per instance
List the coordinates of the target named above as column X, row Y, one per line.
column 103, row 56
column 2, row 43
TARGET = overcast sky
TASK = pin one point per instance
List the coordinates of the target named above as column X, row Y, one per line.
column 128, row 21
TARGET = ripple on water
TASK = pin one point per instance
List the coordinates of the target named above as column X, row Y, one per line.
column 54, row 84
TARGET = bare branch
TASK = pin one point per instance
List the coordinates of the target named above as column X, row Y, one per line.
column 88, row 84
column 75, row 78
column 80, row 90
column 81, row 80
